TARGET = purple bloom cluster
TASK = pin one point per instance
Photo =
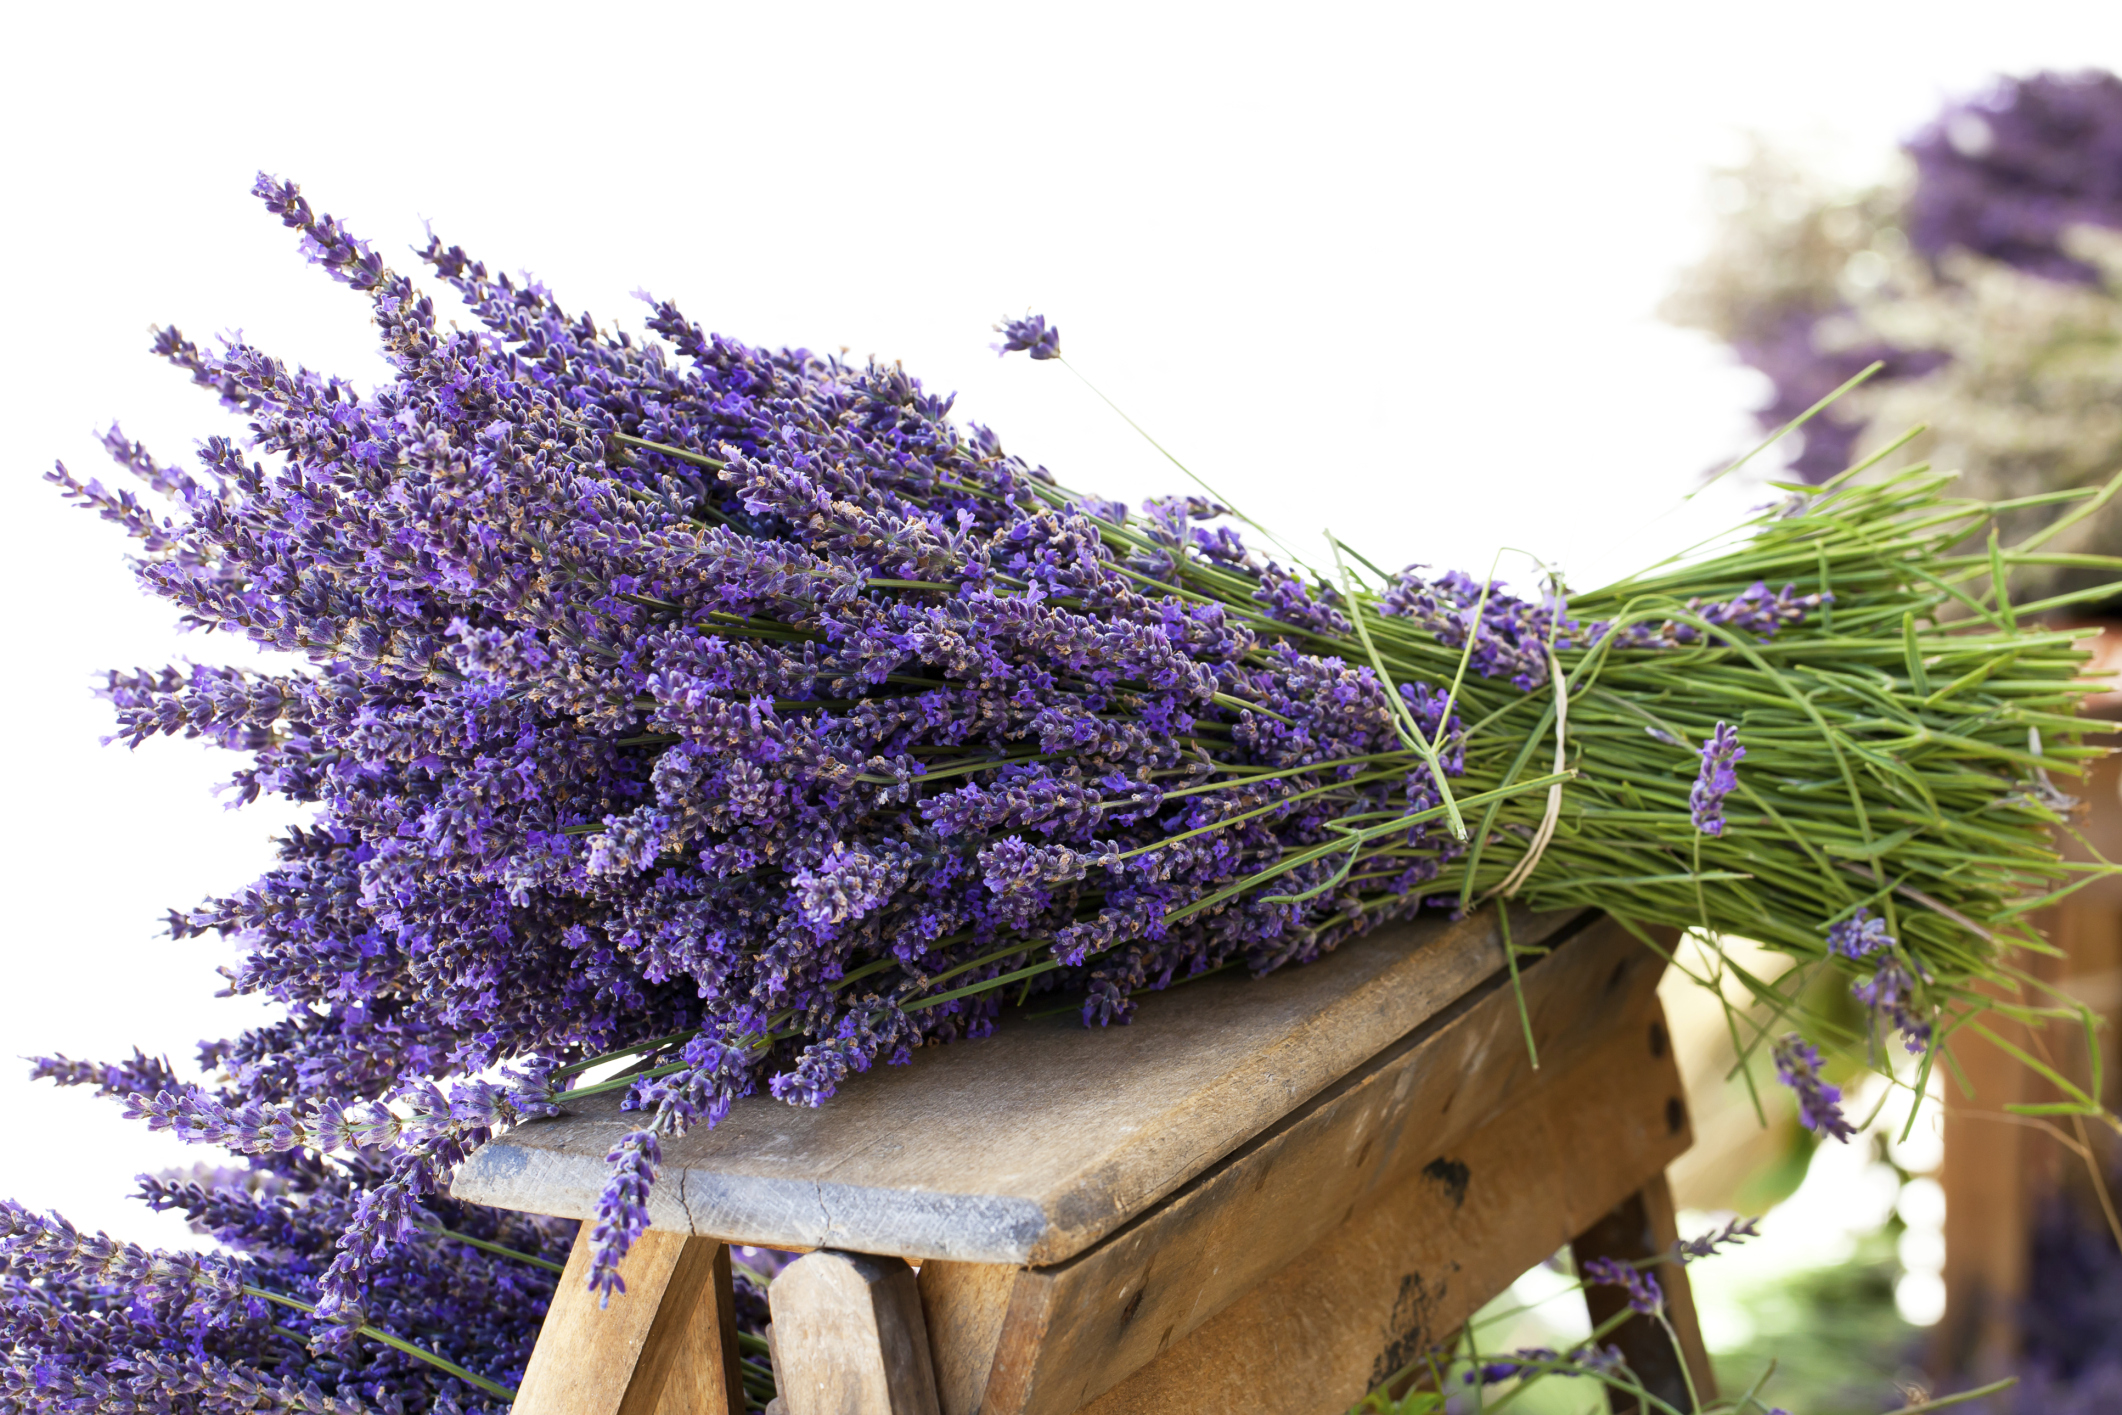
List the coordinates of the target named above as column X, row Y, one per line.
column 1755, row 610
column 1717, row 779
column 1512, row 639
column 1644, row 1294
column 1889, row 994
column 90, row 1323
column 1819, row 1103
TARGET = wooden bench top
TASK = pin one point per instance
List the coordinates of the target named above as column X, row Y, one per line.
column 1031, row 1145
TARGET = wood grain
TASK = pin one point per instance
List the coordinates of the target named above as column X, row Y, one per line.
column 689, row 1363
column 1418, row 1258
column 1049, row 1339
column 964, row 1306
column 849, row 1338
column 1032, row 1145
column 666, row 1346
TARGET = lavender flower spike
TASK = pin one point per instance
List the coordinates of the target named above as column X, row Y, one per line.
column 1731, row 1235
column 1859, row 936
column 1031, row 334
column 1644, row 1294
column 622, row 1209
column 1716, row 780
column 1819, row 1104
column 1890, row 993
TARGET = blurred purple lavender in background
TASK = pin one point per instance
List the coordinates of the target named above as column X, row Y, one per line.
column 2004, row 174
column 2001, row 176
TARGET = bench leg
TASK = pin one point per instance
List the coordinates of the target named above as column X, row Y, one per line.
column 848, row 1337
column 1639, row 1227
column 666, row 1346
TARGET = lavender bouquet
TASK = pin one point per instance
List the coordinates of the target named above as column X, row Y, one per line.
column 736, row 715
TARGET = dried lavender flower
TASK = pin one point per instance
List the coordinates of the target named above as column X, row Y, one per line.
column 1890, row 996
column 1858, row 936
column 1644, row 1294
column 1032, row 334
column 1735, row 1232
column 1716, row 780
column 1819, row 1103
column 622, row 1209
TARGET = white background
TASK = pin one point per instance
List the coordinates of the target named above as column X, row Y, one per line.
column 1386, row 269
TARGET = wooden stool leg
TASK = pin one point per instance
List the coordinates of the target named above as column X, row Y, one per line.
column 848, row 1337
column 1639, row 1227
column 666, row 1346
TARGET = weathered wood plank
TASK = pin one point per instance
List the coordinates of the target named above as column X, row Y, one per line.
column 848, row 1337
column 1417, row 1259
column 964, row 1306
column 667, row 1347
column 1035, row 1143
column 1049, row 1339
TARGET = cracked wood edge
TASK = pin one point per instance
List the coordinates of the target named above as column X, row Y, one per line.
column 1068, row 1332
column 1181, row 1089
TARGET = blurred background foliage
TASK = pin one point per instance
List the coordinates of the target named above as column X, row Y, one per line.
column 1983, row 269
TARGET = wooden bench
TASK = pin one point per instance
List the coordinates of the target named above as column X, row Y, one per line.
column 1263, row 1195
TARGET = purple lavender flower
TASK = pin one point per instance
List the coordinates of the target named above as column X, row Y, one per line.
column 622, row 1209
column 1858, row 936
column 1031, row 334
column 1510, row 641
column 1536, row 1360
column 1754, row 609
column 1890, row 995
column 1716, row 780
column 1644, row 1294
column 1513, row 1365
column 1735, row 1232
column 1819, row 1104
